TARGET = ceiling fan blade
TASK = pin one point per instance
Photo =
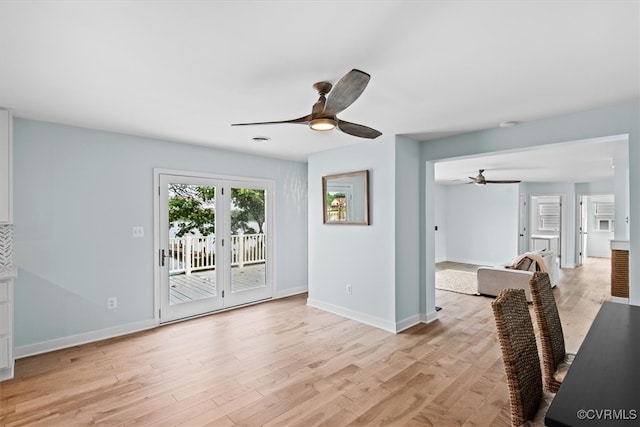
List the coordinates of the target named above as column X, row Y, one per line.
column 346, row 91
column 304, row 119
column 504, row 181
column 357, row 130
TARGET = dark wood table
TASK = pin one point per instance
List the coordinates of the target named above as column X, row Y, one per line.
column 602, row 387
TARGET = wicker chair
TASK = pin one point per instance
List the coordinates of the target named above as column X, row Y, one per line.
column 555, row 360
column 520, row 354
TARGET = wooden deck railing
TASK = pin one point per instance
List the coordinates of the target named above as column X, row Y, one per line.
column 191, row 253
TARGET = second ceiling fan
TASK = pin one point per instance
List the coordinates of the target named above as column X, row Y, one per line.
column 334, row 99
column 481, row 180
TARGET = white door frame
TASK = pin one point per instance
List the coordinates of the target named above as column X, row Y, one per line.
column 562, row 241
column 523, row 225
column 267, row 184
column 581, row 233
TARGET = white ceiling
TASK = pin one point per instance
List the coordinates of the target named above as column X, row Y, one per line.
column 185, row 70
column 576, row 161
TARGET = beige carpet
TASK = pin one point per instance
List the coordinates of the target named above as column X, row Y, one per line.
column 463, row 282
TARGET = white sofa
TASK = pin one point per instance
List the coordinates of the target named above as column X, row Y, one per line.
column 492, row 280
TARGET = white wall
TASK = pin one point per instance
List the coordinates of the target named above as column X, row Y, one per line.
column 482, row 223
column 78, row 192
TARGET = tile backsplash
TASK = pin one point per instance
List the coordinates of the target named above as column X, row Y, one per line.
column 6, row 245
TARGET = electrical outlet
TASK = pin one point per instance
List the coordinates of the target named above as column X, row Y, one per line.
column 138, row 231
column 112, row 303
column 348, row 288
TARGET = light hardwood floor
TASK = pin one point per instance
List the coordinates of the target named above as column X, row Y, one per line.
column 283, row 363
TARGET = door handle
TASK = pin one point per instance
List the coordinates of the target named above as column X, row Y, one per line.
column 162, row 257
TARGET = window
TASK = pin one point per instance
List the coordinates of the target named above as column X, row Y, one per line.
column 603, row 212
column 549, row 214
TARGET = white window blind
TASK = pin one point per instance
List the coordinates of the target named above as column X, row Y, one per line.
column 604, row 209
column 549, row 216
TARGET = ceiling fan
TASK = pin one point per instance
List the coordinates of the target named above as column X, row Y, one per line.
column 331, row 102
column 481, row 180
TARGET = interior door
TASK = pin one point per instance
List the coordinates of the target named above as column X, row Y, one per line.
column 215, row 246
column 190, row 254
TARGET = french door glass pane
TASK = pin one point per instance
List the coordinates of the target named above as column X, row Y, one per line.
column 248, row 239
column 192, row 243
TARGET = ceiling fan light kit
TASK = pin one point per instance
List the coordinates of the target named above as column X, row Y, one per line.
column 322, row 124
column 332, row 100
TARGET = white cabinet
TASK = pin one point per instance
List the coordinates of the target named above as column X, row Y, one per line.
column 6, row 328
column 6, row 146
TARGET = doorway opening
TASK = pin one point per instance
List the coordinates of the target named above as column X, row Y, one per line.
column 595, row 228
column 545, row 224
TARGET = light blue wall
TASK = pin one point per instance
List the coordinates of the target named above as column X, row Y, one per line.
column 451, row 199
column 616, row 120
column 600, row 187
column 363, row 256
column 77, row 194
column 381, row 261
column 440, row 205
column 622, row 186
column 407, row 229
column 482, row 223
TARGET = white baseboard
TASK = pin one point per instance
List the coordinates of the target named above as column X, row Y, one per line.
column 290, row 292
column 84, row 338
column 367, row 319
column 620, row 300
column 354, row 315
column 408, row 323
column 116, row 331
column 429, row 317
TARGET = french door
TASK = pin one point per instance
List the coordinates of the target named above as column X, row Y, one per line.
column 214, row 244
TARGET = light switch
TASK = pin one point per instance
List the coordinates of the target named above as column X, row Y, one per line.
column 138, row 231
